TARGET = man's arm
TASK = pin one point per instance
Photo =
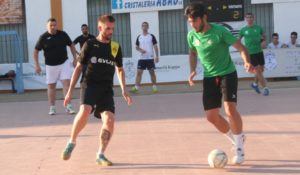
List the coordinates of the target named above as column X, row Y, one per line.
column 156, row 59
column 140, row 49
column 121, row 77
column 36, row 61
column 74, row 79
column 263, row 41
column 193, row 65
column 76, row 40
column 73, row 51
column 245, row 56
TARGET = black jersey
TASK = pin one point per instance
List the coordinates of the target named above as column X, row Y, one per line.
column 101, row 59
column 82, row 39
column 54, row 46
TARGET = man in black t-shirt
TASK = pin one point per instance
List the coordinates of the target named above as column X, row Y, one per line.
column 102, row 57
column 81, row 40
column 54, row 43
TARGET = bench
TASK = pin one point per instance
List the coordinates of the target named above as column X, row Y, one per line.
column 12, row 80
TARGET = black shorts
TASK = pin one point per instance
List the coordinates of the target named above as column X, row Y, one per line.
column 146, row 64
column 216, row 87
column 99, row 98
column 257, row 59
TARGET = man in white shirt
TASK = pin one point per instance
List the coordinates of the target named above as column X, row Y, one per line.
column 276, row 44
column 293, row 42
column 146, row 44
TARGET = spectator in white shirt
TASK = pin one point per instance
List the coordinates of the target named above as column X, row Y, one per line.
column 276, row 44
column 293, row 42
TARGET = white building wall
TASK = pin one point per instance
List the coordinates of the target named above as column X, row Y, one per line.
column 37, row 13
column 286, row 17
column 74, row 15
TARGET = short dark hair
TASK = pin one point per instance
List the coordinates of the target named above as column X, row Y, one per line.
column 145, row 23
column 84, row 25
column 294, row 33
column 106, row 18
column 194, row 10
column 51, row 19
column 275, row 34
column 249, row 13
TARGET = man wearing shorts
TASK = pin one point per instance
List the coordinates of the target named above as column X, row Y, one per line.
column 102, row 56
column 81, row 40
column 145, row 43
column 54, row 44
column 254, row 39
column 211, row 42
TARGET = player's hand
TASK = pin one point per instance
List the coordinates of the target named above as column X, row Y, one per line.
column 191, row 78
column 38, row 69
column 249, row 68
column 68, row 99
column 156, row 59
column 142, row 51
column 127, row 98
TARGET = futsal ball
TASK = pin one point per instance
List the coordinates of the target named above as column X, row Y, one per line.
column 217, row 159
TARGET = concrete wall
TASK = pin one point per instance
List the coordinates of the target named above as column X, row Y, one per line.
column 286, row 19
column 37, row 13
column 74, row 15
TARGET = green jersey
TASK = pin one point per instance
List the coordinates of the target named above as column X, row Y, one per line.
column 253, row 36
column 212, row 48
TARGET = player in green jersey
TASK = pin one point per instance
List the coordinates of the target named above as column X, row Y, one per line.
column 254, row 39
column 211, row 42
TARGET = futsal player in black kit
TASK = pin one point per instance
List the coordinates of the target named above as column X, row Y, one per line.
column 102, row 57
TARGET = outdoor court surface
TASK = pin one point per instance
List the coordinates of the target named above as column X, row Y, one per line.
column 162, row 134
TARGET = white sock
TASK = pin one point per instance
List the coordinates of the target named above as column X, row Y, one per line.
column 239, row 140
column 70, row 141
column 229, row 136
column 154, row 87
column 137, row 87
column 255, row 84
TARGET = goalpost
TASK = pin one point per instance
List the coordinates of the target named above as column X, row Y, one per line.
column 19, row 58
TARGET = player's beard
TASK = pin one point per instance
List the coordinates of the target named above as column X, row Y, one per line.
column 107, row 36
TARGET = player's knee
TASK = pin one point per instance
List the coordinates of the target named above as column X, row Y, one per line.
column 84, row 111
column 108, row 119
column 230, row 110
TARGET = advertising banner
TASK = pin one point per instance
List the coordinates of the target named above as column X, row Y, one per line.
column 127, row 6
column 175, row 68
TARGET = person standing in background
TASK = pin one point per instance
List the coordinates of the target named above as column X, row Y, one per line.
column 145, row 44
column 81, row 39
column 54, row 43
column 254, row 39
